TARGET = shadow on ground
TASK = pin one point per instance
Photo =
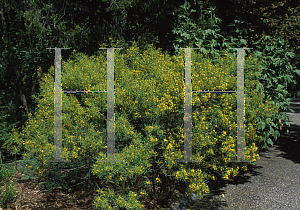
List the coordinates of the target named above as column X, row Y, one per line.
column 289, row 143
column 286, row 146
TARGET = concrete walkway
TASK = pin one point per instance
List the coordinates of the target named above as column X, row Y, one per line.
column 273, row 183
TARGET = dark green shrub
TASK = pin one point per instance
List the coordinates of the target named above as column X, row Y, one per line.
column 276, row 67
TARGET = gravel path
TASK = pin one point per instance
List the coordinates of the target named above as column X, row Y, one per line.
column 273, row 183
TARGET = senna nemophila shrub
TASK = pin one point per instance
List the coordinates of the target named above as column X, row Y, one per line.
column 149, row 122
column 276, row 70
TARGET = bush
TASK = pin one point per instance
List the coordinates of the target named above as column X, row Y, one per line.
column 7, row 191
column 149, row 112
column 7, row 187
column 276, row 66
column 276, row 69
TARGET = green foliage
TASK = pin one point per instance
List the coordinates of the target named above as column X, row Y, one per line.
column 34, row 25
column 17, row 50
column 7, row 191
column 275, row 70
column 7, row 188
column 203, row 35
column 142, row 126
column 149, row 112
column 8, row 120
column 3, row 127
column 206, row 34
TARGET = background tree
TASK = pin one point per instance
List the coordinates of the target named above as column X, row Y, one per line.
column 30, row 26
column 274, row 18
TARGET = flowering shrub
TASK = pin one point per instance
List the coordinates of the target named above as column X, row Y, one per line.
column 149, row 121
column 276, row 54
